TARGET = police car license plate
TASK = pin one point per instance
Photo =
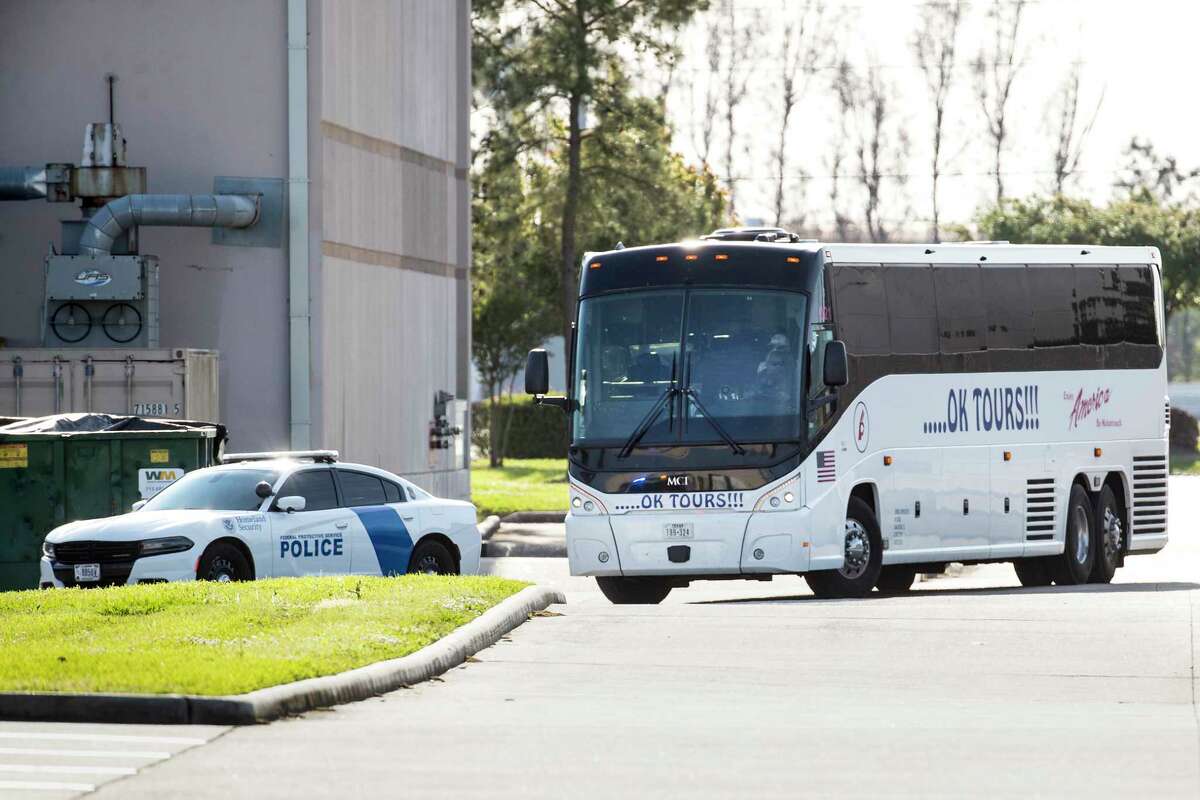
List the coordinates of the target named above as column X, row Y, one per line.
column 87, row 573
column 678, row 530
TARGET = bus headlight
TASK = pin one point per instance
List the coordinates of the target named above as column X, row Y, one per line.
column 583, row 505
column 782, row 498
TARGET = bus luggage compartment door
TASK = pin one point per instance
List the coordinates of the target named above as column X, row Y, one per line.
column 654, row 544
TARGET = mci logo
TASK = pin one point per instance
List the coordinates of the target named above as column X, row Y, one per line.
column 677, row 480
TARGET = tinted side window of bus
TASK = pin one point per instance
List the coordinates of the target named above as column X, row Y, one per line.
column 1052, row 296
column 861, row 308
column 912, row 312
column 1137, row 284
column 1100, row 305
column 1009, row 315
column 962, row 321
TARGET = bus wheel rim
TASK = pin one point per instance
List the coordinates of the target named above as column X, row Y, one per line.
column 1083, row 535
column 858, row 550
column 1112, row 534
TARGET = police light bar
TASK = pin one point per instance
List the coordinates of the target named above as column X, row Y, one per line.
column 316, row 456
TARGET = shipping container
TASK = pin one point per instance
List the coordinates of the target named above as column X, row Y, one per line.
column 167, row 383
column 53, row 477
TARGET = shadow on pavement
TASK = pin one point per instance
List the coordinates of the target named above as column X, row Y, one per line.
column 918, row 594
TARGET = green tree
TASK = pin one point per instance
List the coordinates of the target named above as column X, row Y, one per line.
column 548, row 67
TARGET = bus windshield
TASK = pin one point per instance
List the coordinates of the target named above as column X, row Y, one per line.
column 739, row 352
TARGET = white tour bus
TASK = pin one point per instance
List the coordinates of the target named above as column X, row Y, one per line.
column 752, row 404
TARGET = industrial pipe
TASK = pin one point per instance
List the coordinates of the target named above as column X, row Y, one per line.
column 22, row 183
column 170, row 210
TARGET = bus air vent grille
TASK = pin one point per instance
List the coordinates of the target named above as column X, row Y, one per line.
column 1039, row 508
column 1149, row 495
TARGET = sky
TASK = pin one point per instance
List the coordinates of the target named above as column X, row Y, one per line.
column 1140, row 57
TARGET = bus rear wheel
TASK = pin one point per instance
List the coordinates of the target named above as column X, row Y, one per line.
column 1074, row 566
column 863, row 557
column 1111, row 537
column 634, row 591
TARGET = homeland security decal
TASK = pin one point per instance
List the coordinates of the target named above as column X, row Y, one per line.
column 991, row 408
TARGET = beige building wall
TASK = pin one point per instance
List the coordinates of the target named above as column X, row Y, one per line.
column 392, row 221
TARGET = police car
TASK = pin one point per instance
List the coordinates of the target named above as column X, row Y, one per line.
column 262, row 515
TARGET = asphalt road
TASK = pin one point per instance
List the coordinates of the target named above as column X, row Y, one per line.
column 969, row 686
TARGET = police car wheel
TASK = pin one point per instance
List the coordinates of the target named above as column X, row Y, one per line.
column 223, row 563
column 432, row 558
column 633, row 591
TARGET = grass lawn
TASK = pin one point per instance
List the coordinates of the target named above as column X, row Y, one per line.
column 522, row 484
column 213, row 639
column 1183, row 463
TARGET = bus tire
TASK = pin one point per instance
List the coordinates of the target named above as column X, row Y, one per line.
column 1110, row 537
column 1033, row 571
column 1074, row 566
column 863, row 557
column 633, row 591
column 896, row 579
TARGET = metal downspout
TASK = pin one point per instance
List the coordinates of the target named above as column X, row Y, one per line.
column 300, row 367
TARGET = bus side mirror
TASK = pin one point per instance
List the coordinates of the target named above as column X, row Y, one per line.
column 837, row 366
column 537, row 373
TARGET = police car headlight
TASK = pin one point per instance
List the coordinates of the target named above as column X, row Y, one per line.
column 48, row 550
column 169, row 544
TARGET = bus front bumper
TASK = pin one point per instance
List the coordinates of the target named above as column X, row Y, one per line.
column 720, row 544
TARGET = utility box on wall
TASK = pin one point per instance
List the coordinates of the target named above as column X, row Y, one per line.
column 101, row 301
column 171, row 383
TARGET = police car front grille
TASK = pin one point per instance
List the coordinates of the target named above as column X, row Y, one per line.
column 1039, row 509
column 1149, row 495
column 96, row 552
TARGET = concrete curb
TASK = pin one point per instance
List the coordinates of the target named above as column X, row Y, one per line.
column 489, row 526
column 535, row 516
column 274, row 702
column 494, row 549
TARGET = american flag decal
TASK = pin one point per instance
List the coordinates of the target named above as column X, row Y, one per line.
column 826, row 468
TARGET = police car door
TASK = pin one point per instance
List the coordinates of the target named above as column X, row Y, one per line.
column 385, row 532
column 317, row 540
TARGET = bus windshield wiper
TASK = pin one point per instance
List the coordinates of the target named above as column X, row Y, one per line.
column 652, row 415
column 689, row 393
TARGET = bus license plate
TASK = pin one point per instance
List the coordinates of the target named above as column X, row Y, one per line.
column 87, row 573
column 678, row 530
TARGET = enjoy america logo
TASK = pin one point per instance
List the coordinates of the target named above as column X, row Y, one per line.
column 1086, row 405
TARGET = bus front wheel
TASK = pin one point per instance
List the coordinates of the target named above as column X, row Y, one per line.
column 634, row 591
column 863, row 557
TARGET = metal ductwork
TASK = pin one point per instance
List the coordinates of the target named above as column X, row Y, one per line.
column 22, row 183
column 169, row 210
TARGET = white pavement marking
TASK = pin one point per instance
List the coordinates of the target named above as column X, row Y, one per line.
column 54, row 768
column 106, row 737
column 48, row 786
column 49, row 751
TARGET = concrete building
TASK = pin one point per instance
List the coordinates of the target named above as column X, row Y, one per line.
column 341, row 329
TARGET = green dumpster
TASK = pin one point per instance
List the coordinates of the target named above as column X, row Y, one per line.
column 60, row 469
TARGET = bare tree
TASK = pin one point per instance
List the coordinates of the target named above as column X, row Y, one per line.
column 740, row 36
column 995, row 70
column 935, row 44
column 800, row 48
column 705, row 130
column 1070, row 137
column 879, row 143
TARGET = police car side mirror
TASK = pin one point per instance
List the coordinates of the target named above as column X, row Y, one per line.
column 837, row 366
column 138, row 505
column 263, row 490
column 291, row 503
column 537, row 372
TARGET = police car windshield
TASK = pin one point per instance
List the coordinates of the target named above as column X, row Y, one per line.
column 218, row 490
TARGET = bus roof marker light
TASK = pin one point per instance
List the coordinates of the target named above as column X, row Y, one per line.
column 691, row 257
column 595, row 265
column 722, row 256
column 793, row 259
column 660, row 259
